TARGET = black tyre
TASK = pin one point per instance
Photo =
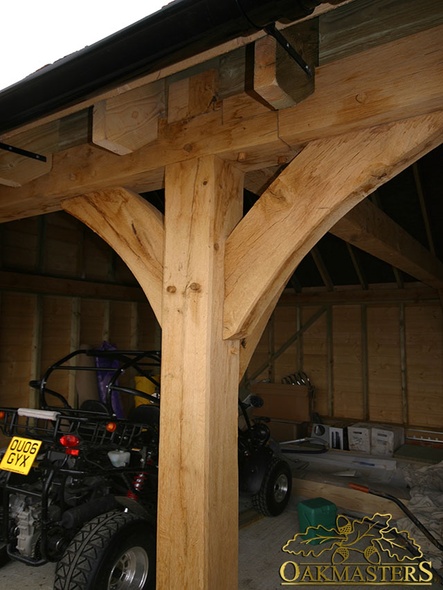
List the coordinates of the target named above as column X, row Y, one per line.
column 4, row 559
column 275, row 491
column 114, row 551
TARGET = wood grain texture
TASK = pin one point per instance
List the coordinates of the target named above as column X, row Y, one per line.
column 129, row 121
column 346, row 498
column 363, row 24
column 315, row 190
column 135, row 230
column 277, row 78
column 371, row 230
column 386, row 83
column 198, row 480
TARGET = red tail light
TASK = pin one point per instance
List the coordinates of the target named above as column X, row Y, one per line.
column 70, row 442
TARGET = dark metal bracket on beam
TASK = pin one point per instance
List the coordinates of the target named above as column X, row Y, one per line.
column 281, row 40
column 21, row 152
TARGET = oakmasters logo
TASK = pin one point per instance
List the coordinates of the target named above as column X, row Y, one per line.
column 355, row 552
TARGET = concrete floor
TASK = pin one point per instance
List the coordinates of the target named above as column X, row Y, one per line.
column 18, row 576
column 260, row 557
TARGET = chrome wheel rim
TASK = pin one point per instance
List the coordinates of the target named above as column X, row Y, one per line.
column 130, row 570
column 281, row 487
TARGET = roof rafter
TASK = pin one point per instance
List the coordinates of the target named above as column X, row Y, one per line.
column 371, row 230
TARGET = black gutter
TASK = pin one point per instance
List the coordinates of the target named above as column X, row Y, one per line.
column 180, row 30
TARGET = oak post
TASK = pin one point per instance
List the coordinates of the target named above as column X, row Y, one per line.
column 198, row 482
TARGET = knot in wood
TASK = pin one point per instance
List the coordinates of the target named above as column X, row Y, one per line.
column 362, row 97
column 171, row 289
column 195, row 287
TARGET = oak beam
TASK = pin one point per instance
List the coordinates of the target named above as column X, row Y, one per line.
column 387, row 294
column 366, row 23
column 276, row 77
column 387, row 83
column 370, row 229
column 128, row 121
column 185, row 64
column 133, row 228
column 325, row 181
column 23, row 282
column 197, row 544
column 391, row 82
column 16, row 170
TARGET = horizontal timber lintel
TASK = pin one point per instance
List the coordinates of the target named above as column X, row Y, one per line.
column 376, row 294
column 69, row 287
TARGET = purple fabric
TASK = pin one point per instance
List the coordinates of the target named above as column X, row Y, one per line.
column 104, row 377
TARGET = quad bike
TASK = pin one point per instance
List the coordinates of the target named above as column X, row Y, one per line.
column 262, row 472
column 79, row 485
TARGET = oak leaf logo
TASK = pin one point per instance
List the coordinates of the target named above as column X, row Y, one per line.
column 368, row 538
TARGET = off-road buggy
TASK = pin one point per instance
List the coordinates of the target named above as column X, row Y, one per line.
column 79, row 484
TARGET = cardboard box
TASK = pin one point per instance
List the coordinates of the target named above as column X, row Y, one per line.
column 385, row 439
column 359, row 437
column 282, row 431
column 283, row 402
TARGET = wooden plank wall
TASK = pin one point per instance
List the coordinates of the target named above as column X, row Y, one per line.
column 367, row 361
column 38, row 328
column 378, row 362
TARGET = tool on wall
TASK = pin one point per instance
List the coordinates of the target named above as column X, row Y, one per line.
column 300, row 378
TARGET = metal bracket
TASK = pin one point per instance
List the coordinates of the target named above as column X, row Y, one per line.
column 281, row 40
column 21, row 152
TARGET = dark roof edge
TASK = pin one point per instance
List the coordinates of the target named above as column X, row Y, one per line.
column 180, row 30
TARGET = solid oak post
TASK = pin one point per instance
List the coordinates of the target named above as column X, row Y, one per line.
column 198, row 487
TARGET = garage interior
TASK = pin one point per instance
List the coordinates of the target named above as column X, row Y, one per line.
column 253, row 222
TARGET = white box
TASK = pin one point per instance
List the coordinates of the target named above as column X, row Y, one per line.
column 335, row 435
column 359, row 437
column 321, row 432
column 385, row 439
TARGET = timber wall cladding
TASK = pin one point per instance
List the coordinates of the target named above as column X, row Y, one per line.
column 376, row 362
column 373, row 362
column 38, row 328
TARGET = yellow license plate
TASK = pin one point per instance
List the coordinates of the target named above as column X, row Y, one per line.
column 20, row 455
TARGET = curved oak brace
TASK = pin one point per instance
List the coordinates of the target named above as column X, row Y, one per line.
column 327, row 179
column 133, row 228
column 250, row 342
